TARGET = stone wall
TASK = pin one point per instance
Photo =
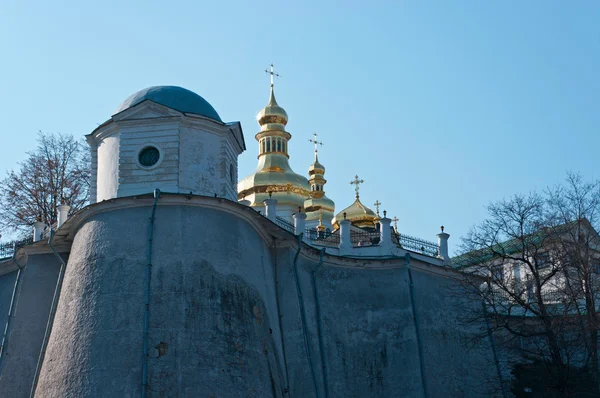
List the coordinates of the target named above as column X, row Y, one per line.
column 226, row 301
column 29, row 325
column 213, row 303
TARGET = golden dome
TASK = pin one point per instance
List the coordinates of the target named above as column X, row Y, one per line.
column 273, row 176
column 358, row 214
column 272, row 116
column 316, row 167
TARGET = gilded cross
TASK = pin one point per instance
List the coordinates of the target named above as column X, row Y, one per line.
column 356, row 182
column 395, row 220
column 377, row 204
column 272, row 73
column 314, row 141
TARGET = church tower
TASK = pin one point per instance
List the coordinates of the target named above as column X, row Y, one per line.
column 274, row 178
column 319, row 208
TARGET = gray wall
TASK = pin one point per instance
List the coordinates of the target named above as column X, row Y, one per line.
column 213, row 303
column 228, row 306
column 28, row 327
column 369, row 337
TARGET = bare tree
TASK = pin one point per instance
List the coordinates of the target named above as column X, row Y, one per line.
column 56, row 172
column 534, row 262
column 575, row 209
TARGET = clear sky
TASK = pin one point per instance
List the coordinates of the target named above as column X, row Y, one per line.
column 440, row 106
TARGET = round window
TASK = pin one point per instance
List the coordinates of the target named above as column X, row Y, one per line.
column 149, row 156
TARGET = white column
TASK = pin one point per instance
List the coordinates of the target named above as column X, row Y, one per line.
column 63, row 214
column 271, row 209
column 385, row 233
column 443, row 245
column 345, row 243
column 38, row 230
column 299, row 222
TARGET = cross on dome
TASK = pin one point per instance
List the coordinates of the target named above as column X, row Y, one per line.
column 272, row 73
column 356, row 182
column 314, row 141
column 395, row 220
column 377, row 204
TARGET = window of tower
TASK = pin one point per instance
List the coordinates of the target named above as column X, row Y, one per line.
column 283, row 146
column 278, row 144
column 263, row 145
column 268, row 145
column 148, row 156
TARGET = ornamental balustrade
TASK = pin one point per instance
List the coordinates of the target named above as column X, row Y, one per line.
column 324, row 238
column 285, row 224
column 415, row 244
column 7, row 249
column 364, row 238
column 360, row 238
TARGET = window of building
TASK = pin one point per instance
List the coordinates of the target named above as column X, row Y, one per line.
column 530, row 287
column 149, row 156
column 542, row 260
column 498, row 273
column 231, row 174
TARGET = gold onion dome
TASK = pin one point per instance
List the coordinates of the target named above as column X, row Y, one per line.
column 316, row 167
column 272, row 116
column 273, row 176
column 358, row 214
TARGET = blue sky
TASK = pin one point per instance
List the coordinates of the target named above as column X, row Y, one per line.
column 440, row 106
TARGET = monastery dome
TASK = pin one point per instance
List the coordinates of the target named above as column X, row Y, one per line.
column 174, row 97
column 358, row 214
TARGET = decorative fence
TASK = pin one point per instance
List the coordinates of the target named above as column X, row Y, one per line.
column 415, row 244
column 364, row 238
column 285, row 224
column 324, row 238
column 7, row 249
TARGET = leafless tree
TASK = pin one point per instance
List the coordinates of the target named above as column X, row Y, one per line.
column 56, row 172
column 534, row 265
column 575, row 210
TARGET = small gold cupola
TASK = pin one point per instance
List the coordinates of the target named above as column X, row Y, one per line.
column 273, row 174
column 357, row 213
column 318, row 206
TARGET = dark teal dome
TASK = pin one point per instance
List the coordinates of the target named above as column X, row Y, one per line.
column 174, row 97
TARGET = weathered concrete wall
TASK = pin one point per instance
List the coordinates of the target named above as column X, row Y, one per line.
column 456, row 363
column 213, row 302
column 369, row 337
column 28, row 327
column 7, row 283
column 229, row 308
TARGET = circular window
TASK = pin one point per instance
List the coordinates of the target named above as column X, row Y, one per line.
column 149, row 156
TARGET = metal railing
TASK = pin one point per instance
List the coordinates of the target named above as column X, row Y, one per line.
column 285, row 224
column 364, row 238
column 7, row 249
column 325, row 238
column 415, row 244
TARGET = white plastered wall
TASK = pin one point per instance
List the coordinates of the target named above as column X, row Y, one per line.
column 108, row 168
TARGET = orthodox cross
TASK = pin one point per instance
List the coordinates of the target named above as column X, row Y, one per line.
column 356, row 182
column 377, row 204
column 272, row 73
column 314, row 141
column 395, row 220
